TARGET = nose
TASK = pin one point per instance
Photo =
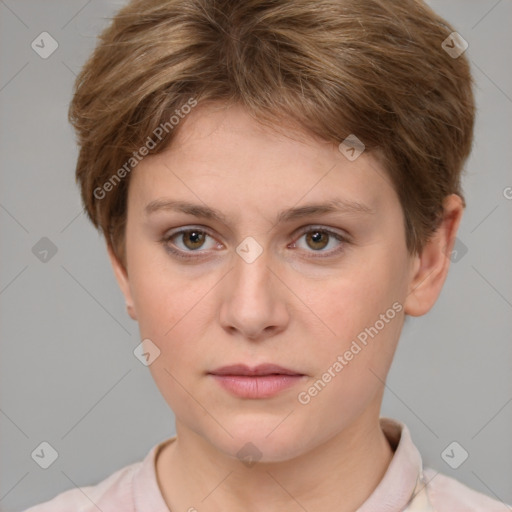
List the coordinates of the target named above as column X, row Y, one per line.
column 254, row 302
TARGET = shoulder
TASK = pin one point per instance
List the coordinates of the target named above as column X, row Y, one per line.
column 111, row 494
column 450, row 495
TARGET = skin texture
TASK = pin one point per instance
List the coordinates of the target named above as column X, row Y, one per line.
column 290, row 306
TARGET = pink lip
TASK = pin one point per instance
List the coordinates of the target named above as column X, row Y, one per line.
column 261, row 369
column 263, row 381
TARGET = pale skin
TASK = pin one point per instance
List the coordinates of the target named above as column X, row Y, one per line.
column 290, row 306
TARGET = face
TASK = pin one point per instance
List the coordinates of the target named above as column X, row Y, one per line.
column 265, row 281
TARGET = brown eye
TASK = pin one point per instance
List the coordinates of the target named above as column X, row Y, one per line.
column 325, row 242
column 185, row 242
column 317, row 239
column 193, row 239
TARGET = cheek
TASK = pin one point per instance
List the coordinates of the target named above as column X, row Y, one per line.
column 172, row 311
column 156, row 308
column 361, row 317
column 162, row 296
column 167, row 312
column 351, row 364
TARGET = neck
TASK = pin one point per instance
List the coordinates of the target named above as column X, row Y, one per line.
column 339, row 474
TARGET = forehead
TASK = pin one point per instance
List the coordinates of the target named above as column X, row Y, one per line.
column 219, row 130
column 223, row 155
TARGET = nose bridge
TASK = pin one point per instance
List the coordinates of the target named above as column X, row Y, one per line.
column 252, row 302
column 252, row 275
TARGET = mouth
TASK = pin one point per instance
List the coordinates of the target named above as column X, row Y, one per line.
column 262, row 381
column 262, row 369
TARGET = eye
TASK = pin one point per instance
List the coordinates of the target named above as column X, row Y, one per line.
column 184, row 242
column 318, row 239
column 188, row 240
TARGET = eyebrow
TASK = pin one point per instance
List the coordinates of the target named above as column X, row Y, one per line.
column 335, row 205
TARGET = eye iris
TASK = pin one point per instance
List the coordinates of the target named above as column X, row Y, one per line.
column 196, row 237
column 316, row 237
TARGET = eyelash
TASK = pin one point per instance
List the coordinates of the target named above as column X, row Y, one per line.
column 189, row 254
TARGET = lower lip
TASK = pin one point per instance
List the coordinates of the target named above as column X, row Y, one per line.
column 262, row 386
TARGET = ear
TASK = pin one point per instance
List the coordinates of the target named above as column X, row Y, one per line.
column 430, row 268
column 122, row 279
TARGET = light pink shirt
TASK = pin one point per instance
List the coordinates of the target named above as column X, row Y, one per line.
column 405, row 487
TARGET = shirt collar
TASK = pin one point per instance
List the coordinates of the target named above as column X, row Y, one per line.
column 403, row 477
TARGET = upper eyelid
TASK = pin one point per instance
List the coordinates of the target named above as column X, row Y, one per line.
column 178, row 231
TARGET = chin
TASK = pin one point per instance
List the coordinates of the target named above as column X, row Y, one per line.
column 259, row 440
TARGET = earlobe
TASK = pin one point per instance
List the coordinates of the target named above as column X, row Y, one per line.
column 430, row 268
column 122, row 280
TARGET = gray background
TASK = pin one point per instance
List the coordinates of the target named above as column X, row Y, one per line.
column 68, row 374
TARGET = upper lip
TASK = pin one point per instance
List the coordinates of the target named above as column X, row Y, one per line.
column 262, row 369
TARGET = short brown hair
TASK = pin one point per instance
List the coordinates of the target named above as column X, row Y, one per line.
column 372, row 68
